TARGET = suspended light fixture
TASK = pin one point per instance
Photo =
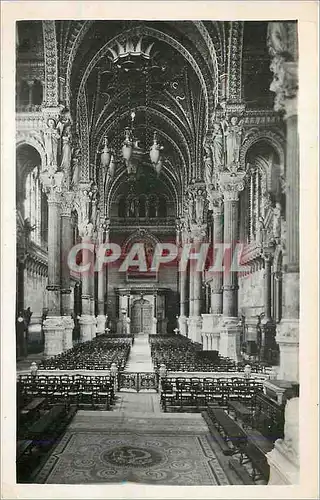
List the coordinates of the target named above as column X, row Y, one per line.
column 112, row 166
column 133, row 55
column 155, row 155
column 106, row 154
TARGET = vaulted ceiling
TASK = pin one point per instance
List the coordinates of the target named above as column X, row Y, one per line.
column 192, row 66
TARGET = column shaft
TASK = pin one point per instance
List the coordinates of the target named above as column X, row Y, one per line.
column 66, row 244
column 192, row 265
column 267, row 288
column 53, row 256
column 217, row 279
column 230, row 286
column 292, row 194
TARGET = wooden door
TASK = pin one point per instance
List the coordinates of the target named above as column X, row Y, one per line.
column 141, row 317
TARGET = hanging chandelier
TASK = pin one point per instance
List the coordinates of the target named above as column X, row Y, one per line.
column 130, row 152
column 132, row 55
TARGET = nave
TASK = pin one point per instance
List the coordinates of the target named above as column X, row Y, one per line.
column 157, row 239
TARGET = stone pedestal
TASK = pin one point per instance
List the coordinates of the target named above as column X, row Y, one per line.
column 154, row 326
column 230, row 339
column 288, row 340
column 284, row 466
column 53, row 328
column 183, row 326
column 94, row 327
column 101, row 324
column 68, row 325
column 86, row 328
column 194, row 328
column 211, row 331
column 284, row 458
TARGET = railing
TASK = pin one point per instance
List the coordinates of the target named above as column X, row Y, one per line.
column 268, row 417
column 138, row 381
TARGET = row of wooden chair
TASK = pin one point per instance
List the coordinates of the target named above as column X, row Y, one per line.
column 71, row 390
column 195, row 392
column 98, row 354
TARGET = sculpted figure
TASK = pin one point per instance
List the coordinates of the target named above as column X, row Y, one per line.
column 199, row 206
column 233, row 134
column 276, row 38
column 277, row 221
column 66, row 148
column 190, row 207
column 208, row 169
column 217, row 146
column 51, row 144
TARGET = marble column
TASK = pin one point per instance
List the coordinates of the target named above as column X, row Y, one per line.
column 194, row 321
column 211, row 322
column 230, row 330
column 288, row 329
column 53, row 326
column 86, row 320
column 282, row 44
column 268, row 326
column 103, row 237
column 66, row 245
column 86, row 234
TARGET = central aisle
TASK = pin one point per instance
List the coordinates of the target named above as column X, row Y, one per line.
column 140, row 355
column 150, row 448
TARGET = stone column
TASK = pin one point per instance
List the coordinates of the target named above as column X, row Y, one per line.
column 195, row 320
column 103, row 237
column 86, row 233
column 184, row 284
column 66, row 245
column 268, row 327
column 217, row 279
column 230, row 332
column 282, row 44
column 211, row 322
column 93, row 291
column 288, row 329
column 53, row 326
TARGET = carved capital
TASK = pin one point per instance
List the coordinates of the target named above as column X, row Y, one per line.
column 231, row 185
column 52, row 186
column 198, row 232
column 66, row 203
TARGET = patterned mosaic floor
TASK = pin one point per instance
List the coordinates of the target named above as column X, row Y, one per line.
column 101, row 447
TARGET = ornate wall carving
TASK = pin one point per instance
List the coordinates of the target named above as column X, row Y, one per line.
column 235, row 62
column 51, row 95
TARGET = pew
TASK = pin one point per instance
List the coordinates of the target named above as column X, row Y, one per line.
column 46, row 425
column 257, row 459
column 240, row 411
column 230, row 430
column 24, row 446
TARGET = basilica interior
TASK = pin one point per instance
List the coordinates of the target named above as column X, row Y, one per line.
column 131, row 135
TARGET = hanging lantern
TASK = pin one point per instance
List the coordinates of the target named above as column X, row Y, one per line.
column 106, row 154
column 155, row 150
column 127, row 145
column 112, row 167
